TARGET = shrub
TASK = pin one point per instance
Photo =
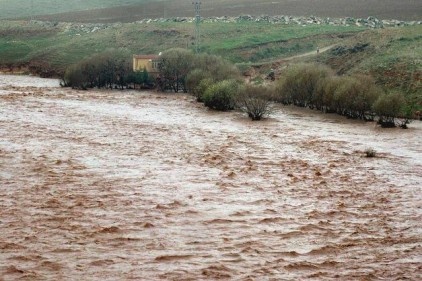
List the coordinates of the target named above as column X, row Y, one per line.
column 298, row 85
column 216, row 67
column 356, row 96
column 201, row 88
column 175, row 64
column 221, row 95
column 255, row 101
column 73, row 77
column 370, row 152
column 343, row 96
column 367, row 94
column 388, row 107
column 141, row 78
column 107, row 69
column 412, row 109
column 351, row 96
column 326, row 90
column 193, row 80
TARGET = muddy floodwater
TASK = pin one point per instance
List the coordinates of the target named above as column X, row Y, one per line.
column 125, row 185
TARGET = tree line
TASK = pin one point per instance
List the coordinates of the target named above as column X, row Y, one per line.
column 218, row 84
column 110, row 69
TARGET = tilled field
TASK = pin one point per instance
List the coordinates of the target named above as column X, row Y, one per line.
column 384, row 9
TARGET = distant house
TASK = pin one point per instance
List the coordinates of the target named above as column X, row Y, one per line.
column 148, row 62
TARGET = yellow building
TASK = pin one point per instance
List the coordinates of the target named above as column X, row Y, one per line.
column 147, row 62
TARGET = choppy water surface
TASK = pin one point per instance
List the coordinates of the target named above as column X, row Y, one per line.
column 125, row 185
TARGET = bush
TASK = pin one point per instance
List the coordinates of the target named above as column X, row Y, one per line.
column 255, row 101
column 193, row 80
column 221, row 95
column 175, row 64
column 367, row 94
column 315, row 86
column 108, row 69
column 208, row 69
column 356, row 96
column 216, row 67
column 326, row 90
column 73, row 77
column 370, row 152
column 388, row 107
column 141, row 78
column 299, row 85
column 201, row 88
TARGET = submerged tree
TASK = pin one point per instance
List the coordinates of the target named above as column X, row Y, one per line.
column 221, row 95
column 174, row 66
column 108, row 69
column 388, row 107
column 255, row 101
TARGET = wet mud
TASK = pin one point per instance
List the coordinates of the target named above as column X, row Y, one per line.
column 120, row 185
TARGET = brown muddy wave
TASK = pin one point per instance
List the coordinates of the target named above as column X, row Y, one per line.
column 121, row 185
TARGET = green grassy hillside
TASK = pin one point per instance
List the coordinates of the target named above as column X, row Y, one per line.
column 62, row 44
column 391, row 55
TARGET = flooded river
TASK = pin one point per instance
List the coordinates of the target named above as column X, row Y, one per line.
column 122, row 185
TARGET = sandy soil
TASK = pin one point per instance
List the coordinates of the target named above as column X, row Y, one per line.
column 117, row 185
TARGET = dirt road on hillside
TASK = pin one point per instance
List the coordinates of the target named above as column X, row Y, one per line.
column 120, row 185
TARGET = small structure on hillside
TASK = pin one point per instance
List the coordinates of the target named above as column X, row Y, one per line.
column 149, row 63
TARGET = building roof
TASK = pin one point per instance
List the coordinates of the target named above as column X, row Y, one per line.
column 151, row 57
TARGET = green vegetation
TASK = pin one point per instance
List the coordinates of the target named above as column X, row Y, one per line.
column 60, row 45
column 392, row 57
column 221, row 95
column 252, row 42
column 356, row 96
column 364, row 63
column 388, row 107
column 299, row 85
column 105, row 70
column 175, row 64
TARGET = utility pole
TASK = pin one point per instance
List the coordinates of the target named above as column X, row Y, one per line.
column 197, row 27
column 32, row 10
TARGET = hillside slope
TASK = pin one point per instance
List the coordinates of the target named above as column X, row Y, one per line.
column 27, row 8
column 391, row 55
column 132, row 10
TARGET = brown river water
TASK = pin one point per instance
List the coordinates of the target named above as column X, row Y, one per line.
column 124, row 185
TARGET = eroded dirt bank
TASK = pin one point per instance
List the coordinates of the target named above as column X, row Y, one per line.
column 145, row 186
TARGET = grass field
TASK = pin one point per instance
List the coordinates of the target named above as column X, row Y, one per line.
column 23, row 42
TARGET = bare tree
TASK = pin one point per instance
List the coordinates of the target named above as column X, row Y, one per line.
column 255, row 101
